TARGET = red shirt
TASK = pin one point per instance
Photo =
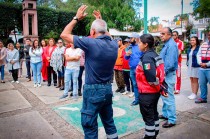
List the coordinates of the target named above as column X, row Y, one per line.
column 125, row 65
column 180, row 45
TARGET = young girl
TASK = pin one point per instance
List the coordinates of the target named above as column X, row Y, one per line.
column 149, row 77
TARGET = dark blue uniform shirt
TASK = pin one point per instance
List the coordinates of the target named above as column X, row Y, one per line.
column 100, row 57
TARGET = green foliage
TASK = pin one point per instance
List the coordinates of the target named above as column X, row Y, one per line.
column 202, row 8
column 11, row 16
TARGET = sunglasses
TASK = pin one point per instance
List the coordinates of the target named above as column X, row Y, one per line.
column 60, row 42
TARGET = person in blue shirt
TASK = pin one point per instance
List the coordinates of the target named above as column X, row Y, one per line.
column 100, row 55
column 134, row 55
column 169, row 54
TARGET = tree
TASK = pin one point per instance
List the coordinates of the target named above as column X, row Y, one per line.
column 154, row 23
column 201, row 7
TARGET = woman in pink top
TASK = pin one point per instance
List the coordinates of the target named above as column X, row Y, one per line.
column 48, row 52
column 3, row 54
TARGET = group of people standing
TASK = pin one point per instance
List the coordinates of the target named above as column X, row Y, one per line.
column 45, row 60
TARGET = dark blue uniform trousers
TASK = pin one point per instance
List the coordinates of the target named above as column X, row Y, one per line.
column 97, row 99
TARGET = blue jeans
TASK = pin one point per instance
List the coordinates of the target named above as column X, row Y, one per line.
column 28, row 68
column 36, row 68
column 61, row 73
column 135, row 88
column 169, row 107
column 97, row 99
column 69, row 75
column 204, row 78
column 2, row 72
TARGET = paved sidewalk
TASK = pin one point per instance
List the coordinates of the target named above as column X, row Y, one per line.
column 28, row 112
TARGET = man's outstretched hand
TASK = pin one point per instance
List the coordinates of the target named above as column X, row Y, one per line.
column 81, row 12
column 97, row 14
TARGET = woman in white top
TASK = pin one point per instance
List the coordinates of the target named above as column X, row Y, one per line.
column 193, row 65
column 35, row 53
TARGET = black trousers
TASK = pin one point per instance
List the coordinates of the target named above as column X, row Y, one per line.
column 49, row 72
column 128, row 80
column 148, row 108
column 81, row 69
column 14, row 74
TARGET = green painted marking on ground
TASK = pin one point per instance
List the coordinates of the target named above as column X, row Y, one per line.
column 131, row 120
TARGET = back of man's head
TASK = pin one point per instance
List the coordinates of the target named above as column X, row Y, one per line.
column 99, row 26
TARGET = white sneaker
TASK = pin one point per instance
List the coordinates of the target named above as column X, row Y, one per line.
column 192, row 96
column 35, row 85
column 17, row 82
column 126, row 92
column 12, row 81
column 131, row 95
column 39, row 85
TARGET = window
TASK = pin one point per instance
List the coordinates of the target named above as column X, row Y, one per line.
column 200, row 21
column 30, row 5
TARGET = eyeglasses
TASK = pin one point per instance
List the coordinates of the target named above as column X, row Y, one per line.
column 60, row 42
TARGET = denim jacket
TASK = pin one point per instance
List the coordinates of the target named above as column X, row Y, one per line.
column 169, row 54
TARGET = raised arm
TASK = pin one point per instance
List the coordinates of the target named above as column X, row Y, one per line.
column 67, row 35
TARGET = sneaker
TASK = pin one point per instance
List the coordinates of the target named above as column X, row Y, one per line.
column 126, row 92
column 63, row 96
column 192, row 96
column 35, row 85
column 177, row 92
column 200, row 100
column 12, row 81
column 131, row 95
column 17, row 82
column 39, row 85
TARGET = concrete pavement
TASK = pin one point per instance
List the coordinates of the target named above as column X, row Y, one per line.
column 27, row 112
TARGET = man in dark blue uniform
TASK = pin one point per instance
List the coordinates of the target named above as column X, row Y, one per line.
column 100, row 56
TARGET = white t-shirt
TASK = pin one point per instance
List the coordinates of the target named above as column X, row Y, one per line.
column 73, row 52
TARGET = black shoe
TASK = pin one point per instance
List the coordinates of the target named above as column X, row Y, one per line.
column 79, row 93
column 71, row 94
column 168, row 125
column 134, row 103
column 44, row 80
column 48, row 84
column 122, row 90
column 70, row 90
column 162, row 117
column 62, row 88
column 118, row 90
column 55, row 84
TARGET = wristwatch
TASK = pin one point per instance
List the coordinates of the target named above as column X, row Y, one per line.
column 76, row 18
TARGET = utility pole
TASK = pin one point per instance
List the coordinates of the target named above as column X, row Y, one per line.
column 145, row 16
column 181, row 13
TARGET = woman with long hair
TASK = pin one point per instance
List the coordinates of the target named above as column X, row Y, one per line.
column 44, row 60
column 21, row 58
column 35, row 53
column 48, row 53
column 13, row 62
column 3, row 54
column 193, row 66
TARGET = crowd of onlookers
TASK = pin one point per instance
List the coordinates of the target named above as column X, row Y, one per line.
column 43, row 61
